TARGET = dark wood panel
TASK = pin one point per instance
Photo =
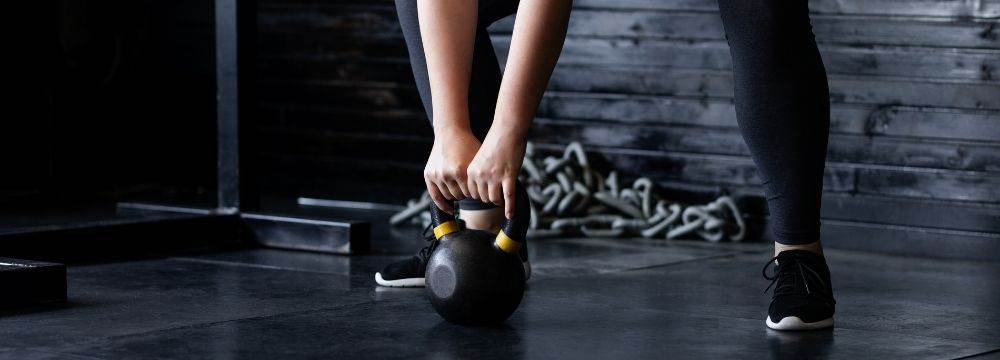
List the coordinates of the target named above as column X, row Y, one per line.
column 937, row 123
column 327, row 118
column 347, row 94
column 899, row 121
column 667, row 81
column 652, row 80
column 972, row 187
column 903, row 240
column 362, row 19
column 278, row 68
column 332, row 44
column 948, row 8
column 344, row 178
column 590, row 99
column 323, row 3
column 842, row 148
column 901, row 61
column 675, row 19
column 905, row 182
column 357, row 18
column 952, row 215
column 921, row 31
column 944, row 8
column 915, row 153
column 699, row 168
column 359, row 146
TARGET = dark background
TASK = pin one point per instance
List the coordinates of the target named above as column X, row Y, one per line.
column 115, row 100
column 107, row 100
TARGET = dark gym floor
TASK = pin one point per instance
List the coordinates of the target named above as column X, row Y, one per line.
column 589, row 298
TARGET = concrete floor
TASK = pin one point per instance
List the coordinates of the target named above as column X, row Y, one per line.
column 589, row 298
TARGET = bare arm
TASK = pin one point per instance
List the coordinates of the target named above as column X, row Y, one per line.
column 539, row 33
column 448, row 29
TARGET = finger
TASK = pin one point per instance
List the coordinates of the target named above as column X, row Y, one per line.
column 440, row 181
column 454, row 191
column 438, row 198
column 480, row 188
column 508, row 196
column 496, row 193
column 459, row 180
column 473, row 189
column 475, row 184
column 463, row 187
column 484, row 191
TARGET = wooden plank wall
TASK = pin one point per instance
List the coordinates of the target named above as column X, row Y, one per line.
column 914, row 153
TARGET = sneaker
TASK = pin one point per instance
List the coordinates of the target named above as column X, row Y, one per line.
column 803, row 295
column 410, row 272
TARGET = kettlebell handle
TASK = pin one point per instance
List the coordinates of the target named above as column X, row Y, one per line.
column 512, row 232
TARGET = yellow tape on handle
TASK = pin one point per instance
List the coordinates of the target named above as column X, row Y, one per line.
column 507, row 244
column 445, row 228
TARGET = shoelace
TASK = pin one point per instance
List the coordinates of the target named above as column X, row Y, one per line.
column 784, row 270
column 432, row 243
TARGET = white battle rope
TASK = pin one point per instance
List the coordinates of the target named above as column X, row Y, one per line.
column 569, row 198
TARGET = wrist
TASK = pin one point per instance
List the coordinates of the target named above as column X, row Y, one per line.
column 451, row 130
column 511, row 128
column 505, row 139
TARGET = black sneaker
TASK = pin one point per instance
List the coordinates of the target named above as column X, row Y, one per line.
column 803, row 295
column 410, row 272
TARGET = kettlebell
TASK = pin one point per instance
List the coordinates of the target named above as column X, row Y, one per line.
column 475, row 277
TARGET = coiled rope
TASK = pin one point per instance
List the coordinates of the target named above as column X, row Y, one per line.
column 569, row 198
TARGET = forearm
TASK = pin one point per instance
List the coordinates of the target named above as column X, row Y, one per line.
column 537, row 40
column 447, row 29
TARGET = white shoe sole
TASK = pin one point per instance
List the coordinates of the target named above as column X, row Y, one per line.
column 419, row 282
column 794, row 323
column 409, row 282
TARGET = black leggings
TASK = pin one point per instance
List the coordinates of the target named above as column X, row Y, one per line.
column 781, row 95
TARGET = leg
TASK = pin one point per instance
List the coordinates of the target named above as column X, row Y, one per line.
column 783, row 110
column 782, row 106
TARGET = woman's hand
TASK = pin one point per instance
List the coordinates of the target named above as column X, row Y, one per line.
column 446, row 171
column 493, row 172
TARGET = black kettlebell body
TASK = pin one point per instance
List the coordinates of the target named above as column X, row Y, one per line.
column 475, row 277
column 473, row 282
